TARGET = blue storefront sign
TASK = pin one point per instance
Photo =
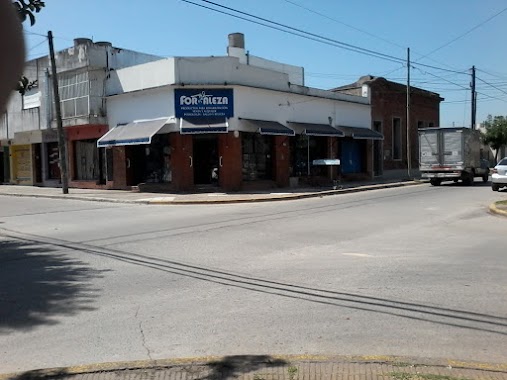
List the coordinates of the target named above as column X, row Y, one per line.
column 203, row 102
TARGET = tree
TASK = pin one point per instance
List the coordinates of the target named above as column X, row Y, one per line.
column 496, row 133
column 26, row 9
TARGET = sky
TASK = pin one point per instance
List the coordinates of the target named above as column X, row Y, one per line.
column 459, row 34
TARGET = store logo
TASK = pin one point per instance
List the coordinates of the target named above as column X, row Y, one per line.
column 203, row 99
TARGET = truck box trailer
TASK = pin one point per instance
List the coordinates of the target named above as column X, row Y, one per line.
column 451, row 154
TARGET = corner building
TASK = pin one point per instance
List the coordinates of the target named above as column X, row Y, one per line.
column 236, row 122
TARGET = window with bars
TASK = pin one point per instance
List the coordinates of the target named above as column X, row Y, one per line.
column 74, row 94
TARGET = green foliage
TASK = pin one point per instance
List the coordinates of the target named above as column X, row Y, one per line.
column 24, row 85
column 496, row 132
column 27, row 8
column 292, row 372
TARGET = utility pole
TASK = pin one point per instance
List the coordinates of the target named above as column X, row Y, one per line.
column 409, row 159
column 474, row 98
column 62, row 148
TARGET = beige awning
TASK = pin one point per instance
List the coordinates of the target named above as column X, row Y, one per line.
column 134, row 133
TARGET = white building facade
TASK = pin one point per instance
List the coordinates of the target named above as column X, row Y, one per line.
column 235, row 122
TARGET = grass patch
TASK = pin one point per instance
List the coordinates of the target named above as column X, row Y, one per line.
column 422, row 376
column 292, row 372
column 401, row 375
column 402, row 364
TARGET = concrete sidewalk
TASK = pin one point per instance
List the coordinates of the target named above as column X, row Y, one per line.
column 119, row 196
column 264, row 367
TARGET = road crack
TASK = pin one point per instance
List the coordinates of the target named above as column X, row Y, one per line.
column 143, row 337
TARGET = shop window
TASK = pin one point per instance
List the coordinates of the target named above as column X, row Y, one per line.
column 397, row 139
column 304, row 149
column 158, row 160
column 257, row 156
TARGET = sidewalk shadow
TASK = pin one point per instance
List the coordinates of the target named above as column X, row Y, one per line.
column 39, row 284
column 231, row 367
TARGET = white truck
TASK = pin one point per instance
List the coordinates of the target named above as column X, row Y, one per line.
column 451, row 154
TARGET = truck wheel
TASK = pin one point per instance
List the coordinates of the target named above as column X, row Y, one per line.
column 495, row 187
column 435, row 181
column 469, row 179
column 485, row 178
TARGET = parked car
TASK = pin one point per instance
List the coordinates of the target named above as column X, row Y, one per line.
column 499, row 177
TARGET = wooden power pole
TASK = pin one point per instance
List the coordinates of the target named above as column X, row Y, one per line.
column 474, row 100
column 62, row 147
column 409, row 158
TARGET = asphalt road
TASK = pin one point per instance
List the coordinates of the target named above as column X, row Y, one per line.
column 417, row 271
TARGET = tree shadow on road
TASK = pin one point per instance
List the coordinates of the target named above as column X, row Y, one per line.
column 38, row 284
column 231, row 367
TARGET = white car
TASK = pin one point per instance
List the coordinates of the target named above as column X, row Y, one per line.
column 499, row 177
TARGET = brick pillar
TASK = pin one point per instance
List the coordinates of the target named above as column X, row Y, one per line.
column 229, row 148
column 71, row 167
column 181, row 153
column 369, row 158
column 281, row 152
column 332, row 152
column 119, row 168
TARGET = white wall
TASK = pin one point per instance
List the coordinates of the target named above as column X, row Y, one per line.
column 135, row 78
column 221, row 70
column 148, row 104
column 253, row 103
column 249, row 103
column 295, row 73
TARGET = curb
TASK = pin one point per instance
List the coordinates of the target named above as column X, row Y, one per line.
column 495, row 210
column 318, row 194
column 290, row 359
column 74, row 198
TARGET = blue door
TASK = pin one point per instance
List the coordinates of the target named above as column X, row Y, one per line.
column 351, row 157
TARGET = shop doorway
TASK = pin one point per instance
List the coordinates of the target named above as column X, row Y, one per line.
column 205, row 160
column 53, row 161
column 2, row 171
column 135, row 156
column 38, row 162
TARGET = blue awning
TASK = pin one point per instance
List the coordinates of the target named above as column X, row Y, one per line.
column 133, row 133
column 312, row 129
column 272, row 128
column 200, row 125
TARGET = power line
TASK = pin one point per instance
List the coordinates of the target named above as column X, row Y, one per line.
column 39, row 44
column 361, row 31
column 345, row 24
column 301, row 32
column 459, row 85
column 466, row 33
column 304, row 34
column 34, row 34
column 489, row 84
column 504, row 77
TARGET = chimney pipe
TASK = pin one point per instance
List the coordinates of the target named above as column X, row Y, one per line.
column 237, row 40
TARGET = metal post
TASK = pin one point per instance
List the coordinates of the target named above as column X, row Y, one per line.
column 62, row 148
column 409, row 160
column 308, row 155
